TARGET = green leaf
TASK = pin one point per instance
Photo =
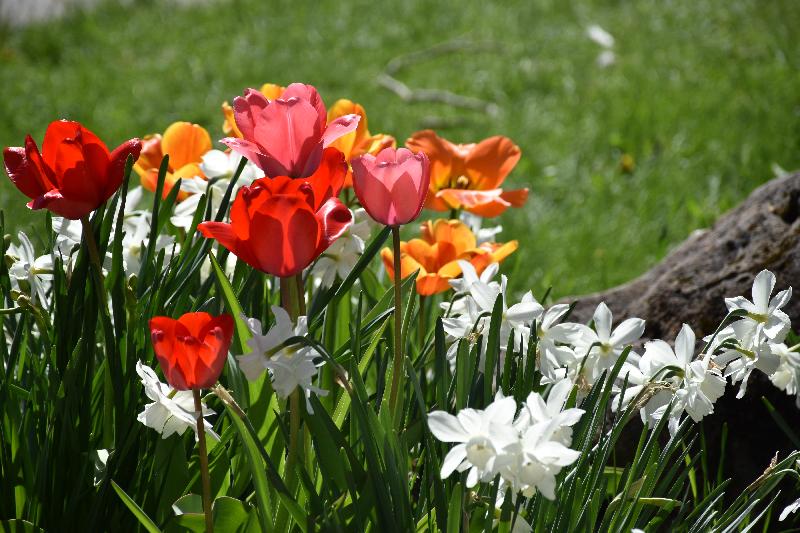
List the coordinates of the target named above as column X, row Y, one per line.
column 145, row 520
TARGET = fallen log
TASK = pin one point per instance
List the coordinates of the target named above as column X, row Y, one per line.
column 689, row 286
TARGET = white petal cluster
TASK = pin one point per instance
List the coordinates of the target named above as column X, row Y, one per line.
column 340, row 258
column 598, row 349
column 171, row 411
column 527, row 449
column 667, row 375
column 753, row 341
column 30, row 274
column 136, row 235
column 219, row 167
column 470, row 315
column 290, row 366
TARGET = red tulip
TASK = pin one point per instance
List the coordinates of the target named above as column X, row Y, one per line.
column 286, row 136
column 191, row 350
column 74, row 174
column 392, row 186
column 280, row 225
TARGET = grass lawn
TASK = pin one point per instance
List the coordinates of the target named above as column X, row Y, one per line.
column 704, row 98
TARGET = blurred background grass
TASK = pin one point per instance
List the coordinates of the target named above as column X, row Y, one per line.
column 702, row 101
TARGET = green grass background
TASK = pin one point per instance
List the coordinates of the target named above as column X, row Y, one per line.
column 705, row 96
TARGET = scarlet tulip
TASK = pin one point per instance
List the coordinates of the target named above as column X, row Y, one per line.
column 192, row 349
column 73, row 175
column 392, row 186
column 280, row 225
column 469, row 176
column 286, row 136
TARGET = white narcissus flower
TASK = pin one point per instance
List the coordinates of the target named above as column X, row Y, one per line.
column 480, row 434
column 763, row 311
column 219, row 167
column 536, row 410
column 469, row 277
column 341, row 257
column 553, row 340
column 475, row 224
column 172, row 411
column 600, row 347
column 475, row 308
column 35, row 272
column 136, row 228
column 698, row 383
column 290, row 366
column 787, row 375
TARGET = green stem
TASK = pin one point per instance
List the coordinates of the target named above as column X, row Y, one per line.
column 397, row 366
column 203, row 452
column 293, row 300
column 422, row 329
column 94, row 259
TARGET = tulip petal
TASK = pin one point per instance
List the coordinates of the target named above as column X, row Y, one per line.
column 246, row 110
column 328, row 179
column 442, row 154
column 335, row 218
column 27, row 173
column 116, row 166
column 288, row 132
column 339, row 127
column 288, row 236
column 185, row 143
column 490, row 161
column 254, row 153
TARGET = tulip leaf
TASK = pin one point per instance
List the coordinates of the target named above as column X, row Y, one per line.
column 242, row 331
column 140, row 515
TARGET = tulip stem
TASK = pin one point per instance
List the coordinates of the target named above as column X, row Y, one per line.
column 94, row 259
column 203, row 452
column 397, row 367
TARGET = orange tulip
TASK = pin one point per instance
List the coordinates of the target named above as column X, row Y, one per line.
column 358, row 142
column 436, row 254
column 185, row 143
column 229, row 127
column 469, row 176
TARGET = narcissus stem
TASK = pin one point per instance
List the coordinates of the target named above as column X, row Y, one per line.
column 203, row 452
column 94, row 259
column 397, row 367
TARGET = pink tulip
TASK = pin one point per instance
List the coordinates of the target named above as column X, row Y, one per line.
column 286, row 136
column 393, row 185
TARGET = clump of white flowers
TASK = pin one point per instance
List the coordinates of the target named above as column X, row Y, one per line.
column 171, row 411
column 527, row 448
column 341, row 256
column 290, row 366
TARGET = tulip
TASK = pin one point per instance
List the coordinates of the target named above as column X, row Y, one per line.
column 192, row 349
column 280, row 225
column 191, row 352
column 74, row 174
column 185, row 144
column 360, row 141
column 286, row 136
column 436, row 254
column 270, row 90
column 392, row 186
column 469, row 176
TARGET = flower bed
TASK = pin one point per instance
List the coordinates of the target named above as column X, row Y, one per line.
column 342, row 392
